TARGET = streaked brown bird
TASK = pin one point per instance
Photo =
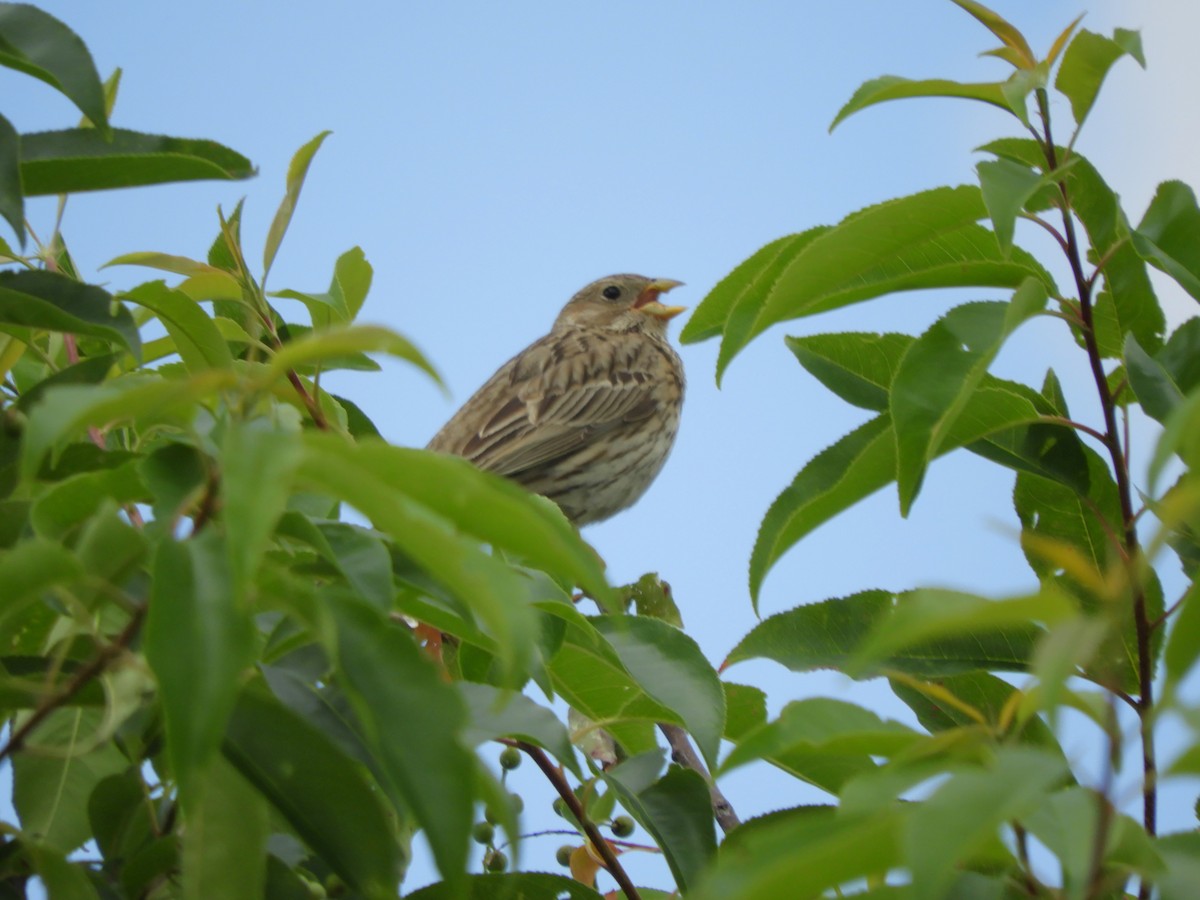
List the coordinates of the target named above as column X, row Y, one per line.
column 587, row 415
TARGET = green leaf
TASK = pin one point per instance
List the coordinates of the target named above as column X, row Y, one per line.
column 1007, row 187
column 1156, row 390
column 334, row 342
column 203, row 282
column 926, row 240
column 57, row 771
column 487, row 507
column 413, row 722
column 588, row 674
column 828, row 635
column 362, row 556
column 1065, row 822
column 1183, row 645
column 297, row 170
column 1008, row 34
column 340, row 304
column 966, row 811
column 37, row 299
column 1181, row 855
column 1169, row 235
column 70, row 502
column 856, row 466
column 90, row 370
column 676, row 810
column 198, row 643
column 225, row 838
column 1053, row 516
column 1181, row 355
column 322, row 794
column 258, row 463
column 12, row 198
column 1087, row 61
column 670, row 668
column 738, row 289
column 1128, row 302
column 60, row 878
column 508, row 886
column 196, row 337
column 28, row 569
column 64, row 412
column 363, row 475
column 1001, row 421
column 801, row 853
column 36, row 43
column 893, row 87
column 495, row 713
column 856, row 366
column 940, row 373
column 121, row 817
column 1181, row 436
column 817, row 728
column 83, row 159
column 981, row 698
column 745, row 709
column 1002, row 628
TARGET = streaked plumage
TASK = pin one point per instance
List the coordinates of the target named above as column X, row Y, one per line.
column 587, row 415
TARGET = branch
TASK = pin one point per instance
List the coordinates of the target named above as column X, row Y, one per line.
column 79, row 680
column 682, row 754
column 555, row 776
column 1120, row 463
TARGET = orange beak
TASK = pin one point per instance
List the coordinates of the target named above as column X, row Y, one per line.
column 648, row 303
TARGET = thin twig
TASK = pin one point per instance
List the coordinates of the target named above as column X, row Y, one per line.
column 1038, row 220
column 684, row 755
column 310, row 402
column 1078, row 426
column 1028, row 880
column 1168, row 612
column 555, row 776
column 79, row 680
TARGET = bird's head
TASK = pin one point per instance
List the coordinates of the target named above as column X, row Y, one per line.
column 621, row 303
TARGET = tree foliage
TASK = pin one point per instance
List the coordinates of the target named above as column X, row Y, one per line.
column 251, row 649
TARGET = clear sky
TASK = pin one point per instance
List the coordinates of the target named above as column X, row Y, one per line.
column 491, row 158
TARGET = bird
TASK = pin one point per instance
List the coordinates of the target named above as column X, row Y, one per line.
column 586, row 415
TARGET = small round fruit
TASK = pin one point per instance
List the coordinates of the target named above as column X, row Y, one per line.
column 510, row 758
column 622, row 826
column 483, row 832
column 564, row 855
column 495, row 861
column 518, row 803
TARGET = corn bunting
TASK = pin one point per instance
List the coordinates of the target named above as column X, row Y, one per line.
column 587, row 415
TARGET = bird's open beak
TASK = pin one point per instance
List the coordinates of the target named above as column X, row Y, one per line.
column 647, row 300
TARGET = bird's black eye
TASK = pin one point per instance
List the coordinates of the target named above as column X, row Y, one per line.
column 612, row 292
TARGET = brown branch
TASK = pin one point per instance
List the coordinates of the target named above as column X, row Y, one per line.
column 310, row 402
column 682, row 754
column 555, row 776
column 95, row 666
column 1120, row 463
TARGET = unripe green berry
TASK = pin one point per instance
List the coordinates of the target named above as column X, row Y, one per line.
column 518, row 803
column 495, row 861
column 510, row 758
column 564, row 854
column 622, row 826
column 483, row 832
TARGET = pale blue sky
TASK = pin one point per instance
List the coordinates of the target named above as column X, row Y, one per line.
column 492, row 158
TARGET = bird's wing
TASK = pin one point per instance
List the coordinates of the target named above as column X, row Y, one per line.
column 547, row 403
